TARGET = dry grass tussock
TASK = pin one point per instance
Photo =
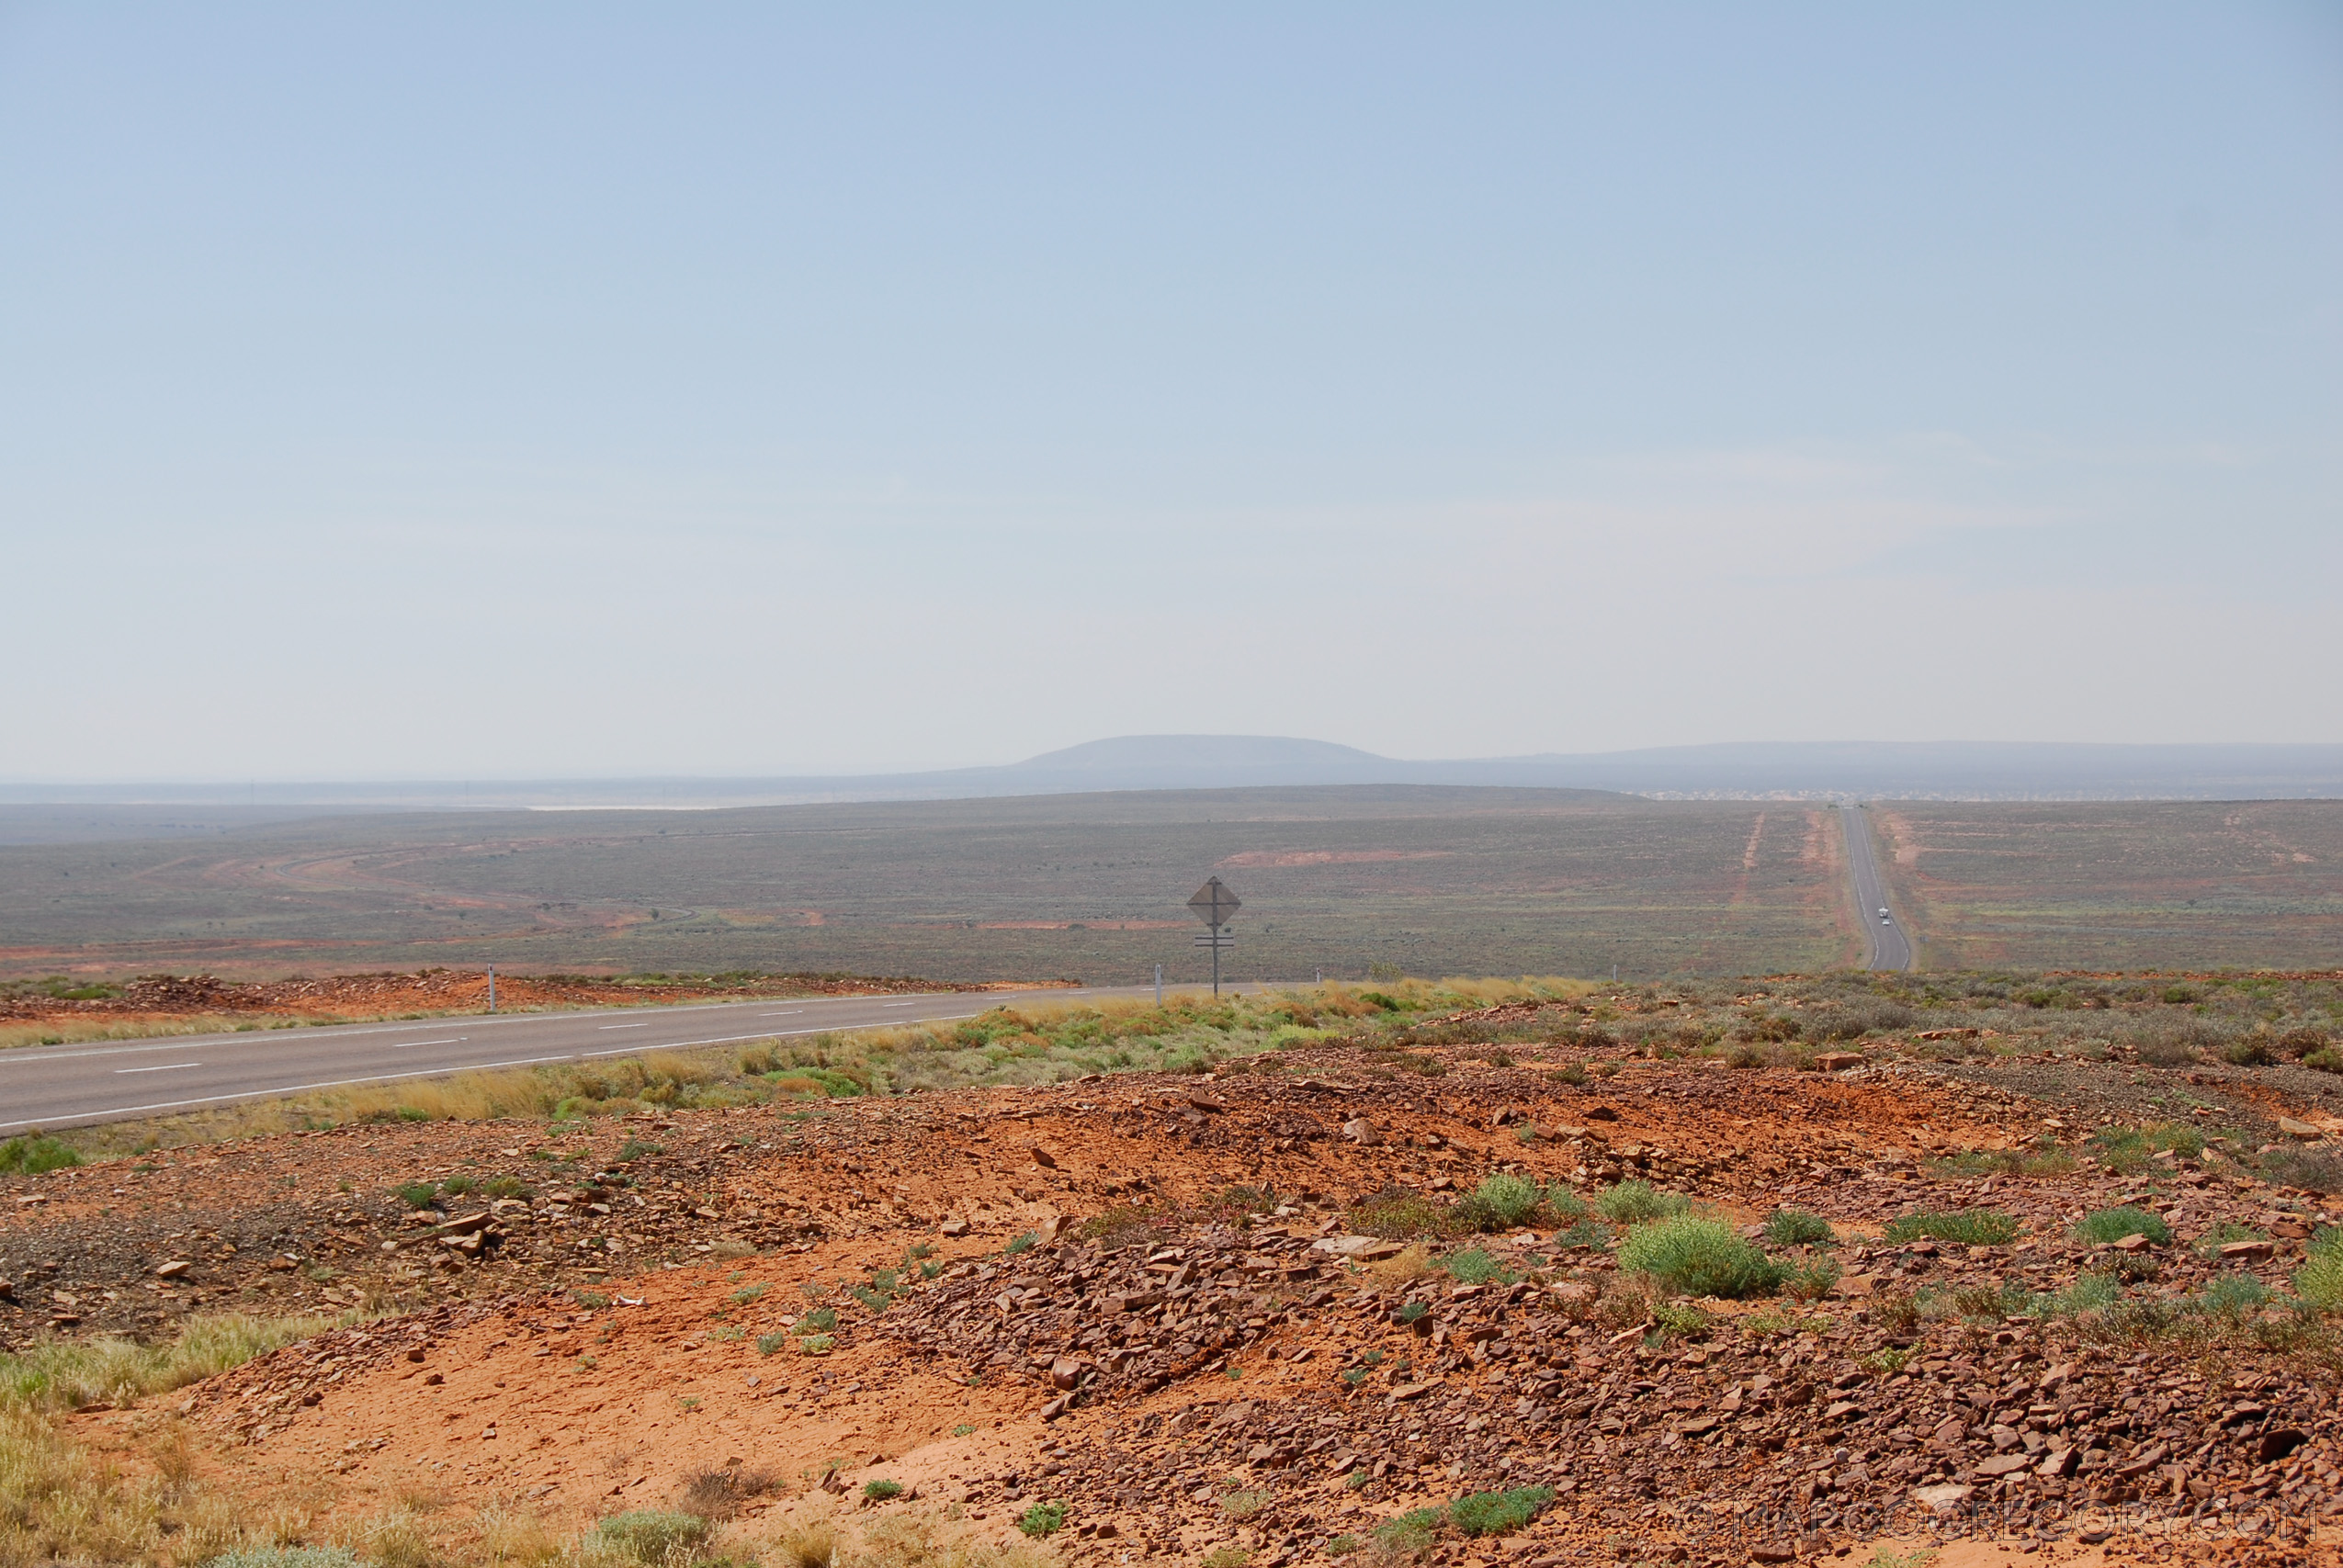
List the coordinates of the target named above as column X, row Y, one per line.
column 1041, row 1042
column 913, row 1539
column 76, row 1033
column 61, row 1503
column 70, row 1375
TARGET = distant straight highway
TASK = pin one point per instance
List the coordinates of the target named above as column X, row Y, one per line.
column 1889, row 947
column 117, row 1080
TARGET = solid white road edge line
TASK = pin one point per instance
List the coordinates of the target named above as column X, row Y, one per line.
column 446, row 1072
column 293, row 1088
column 243, row 1039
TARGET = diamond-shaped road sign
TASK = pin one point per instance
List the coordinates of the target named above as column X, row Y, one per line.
column 1214, row 904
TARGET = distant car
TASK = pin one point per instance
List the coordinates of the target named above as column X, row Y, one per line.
column 1883, row 914
column 1885, row 921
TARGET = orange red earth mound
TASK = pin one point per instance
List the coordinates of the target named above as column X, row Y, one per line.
column 637, row 1322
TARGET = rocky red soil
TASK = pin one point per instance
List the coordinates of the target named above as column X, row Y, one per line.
column 164, row 999
column 1148, row 1298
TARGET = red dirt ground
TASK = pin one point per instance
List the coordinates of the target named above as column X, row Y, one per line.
column 167, row 998
column 1166, row 1342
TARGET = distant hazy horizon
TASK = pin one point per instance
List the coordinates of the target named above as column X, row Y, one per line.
column 435, row 392
column 1793, row 771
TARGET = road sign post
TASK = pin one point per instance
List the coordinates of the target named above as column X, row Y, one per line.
column 491, row 988
column 1213, row 905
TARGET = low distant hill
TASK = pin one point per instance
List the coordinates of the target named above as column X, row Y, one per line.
column 1745, row 771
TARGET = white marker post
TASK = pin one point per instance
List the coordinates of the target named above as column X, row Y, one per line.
column 491, row 988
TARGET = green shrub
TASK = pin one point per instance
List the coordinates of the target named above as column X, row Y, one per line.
column 1966, row 1227
column 2090, row 1293
column 29, row 1154
column 417, row 1194
column 1479, row 1513
column 1633, row 1201
column 1795, row 1227
column 1699, row 1257
column 821, row 1320
column 1020, row 1243
column 286, row 1557
column 1671, row 1322
column 1585, row 1232
column 1810, row 1281
column 1409, row 1534
column 1043, row 1519
column 2234, row 1296
column 1410, row 1312
column 880, row 1491
column 2221, row 1234
column 653, row 1537
column 1495, row 1513
column 1475, row 1267
column 2314, row 1170
column 770, row 1343
column 2127, row 1149
column 2114, row 1225
column 2319, row 1280
column 1502, row 1202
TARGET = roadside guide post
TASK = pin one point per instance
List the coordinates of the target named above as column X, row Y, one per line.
column 491, row 988
column 1214, row 904
column 1159, row 985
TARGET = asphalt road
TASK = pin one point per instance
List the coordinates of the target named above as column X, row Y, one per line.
column 1889, row 948
column 69, row 1086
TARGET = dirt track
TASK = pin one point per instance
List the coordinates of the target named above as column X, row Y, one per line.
column 161, row 999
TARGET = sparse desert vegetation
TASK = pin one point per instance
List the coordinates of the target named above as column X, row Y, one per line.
column 1059, row 1283
column 2116, row 886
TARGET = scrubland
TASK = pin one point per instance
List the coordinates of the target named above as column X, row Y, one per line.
column 1831, row 1267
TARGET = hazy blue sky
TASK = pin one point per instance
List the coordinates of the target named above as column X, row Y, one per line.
column 492, row 390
